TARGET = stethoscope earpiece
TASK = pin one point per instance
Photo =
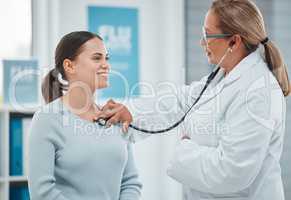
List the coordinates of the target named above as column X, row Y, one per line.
column 231, row 45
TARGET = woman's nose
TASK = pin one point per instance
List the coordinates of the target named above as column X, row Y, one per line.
column 105, row 65
column 202, row 42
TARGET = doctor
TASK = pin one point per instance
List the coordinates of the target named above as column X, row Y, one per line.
column 234, row 135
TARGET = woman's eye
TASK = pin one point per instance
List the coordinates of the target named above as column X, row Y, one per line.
column 97, row 58
column 100, row 58
column 107, row 58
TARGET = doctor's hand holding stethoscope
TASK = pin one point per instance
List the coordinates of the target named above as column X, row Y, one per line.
column 241, row 103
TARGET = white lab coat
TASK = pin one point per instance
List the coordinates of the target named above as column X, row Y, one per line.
column 237, row 133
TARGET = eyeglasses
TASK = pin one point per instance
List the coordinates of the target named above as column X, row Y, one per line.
column 206, row 36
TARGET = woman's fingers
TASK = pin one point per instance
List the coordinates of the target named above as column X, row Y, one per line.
column 111, row 101
column 111, row 108
column 115, row 113
column 113, row 120
column 125, row 126
column 108, row 110
column 109, row 105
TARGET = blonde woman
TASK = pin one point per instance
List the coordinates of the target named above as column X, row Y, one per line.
column 235, row 133
column 71, row 156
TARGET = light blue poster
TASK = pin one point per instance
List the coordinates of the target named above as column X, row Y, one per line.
column 20, row 82
column 119, row 29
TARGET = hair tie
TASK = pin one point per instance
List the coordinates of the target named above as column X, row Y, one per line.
column 265, row 41
column 54, row 72
column 62, row 81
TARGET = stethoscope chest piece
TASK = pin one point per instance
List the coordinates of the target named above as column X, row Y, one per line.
column 101, row 122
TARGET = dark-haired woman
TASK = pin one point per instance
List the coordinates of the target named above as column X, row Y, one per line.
column 71, row 157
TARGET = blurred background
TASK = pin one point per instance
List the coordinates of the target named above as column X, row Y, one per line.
column 168, row 35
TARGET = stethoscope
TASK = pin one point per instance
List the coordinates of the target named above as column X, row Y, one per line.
column 102, row 122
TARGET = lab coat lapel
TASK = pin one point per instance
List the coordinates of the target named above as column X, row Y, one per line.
column 234, row 75
column 213, row 89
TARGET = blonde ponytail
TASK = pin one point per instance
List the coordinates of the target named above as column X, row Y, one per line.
column 244, row 18
column 276, row 64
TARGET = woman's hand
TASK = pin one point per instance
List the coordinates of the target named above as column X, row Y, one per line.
column 115, row 113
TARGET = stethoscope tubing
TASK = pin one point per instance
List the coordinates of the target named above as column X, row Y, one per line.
column 102, row 122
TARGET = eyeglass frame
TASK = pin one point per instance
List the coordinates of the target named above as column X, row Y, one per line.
column 206, row 36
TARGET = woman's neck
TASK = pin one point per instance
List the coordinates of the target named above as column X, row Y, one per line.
column 80, row 101
column 234, row 61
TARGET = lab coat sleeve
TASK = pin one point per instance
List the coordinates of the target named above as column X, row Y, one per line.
column 130, row 184
column 162, row 110
column 233, row 165
column 42, row 150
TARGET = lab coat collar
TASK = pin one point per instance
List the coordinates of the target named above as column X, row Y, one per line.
column 234, row 75
column 244, row 65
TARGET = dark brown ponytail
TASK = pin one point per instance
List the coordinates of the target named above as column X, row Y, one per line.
column 51, row 87
column 69, row 47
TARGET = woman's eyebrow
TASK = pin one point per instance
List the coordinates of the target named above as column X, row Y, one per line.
column 99, row 54
column 213, row 29
column 208, row 30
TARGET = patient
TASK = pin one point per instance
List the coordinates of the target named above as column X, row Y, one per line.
column 71, row 157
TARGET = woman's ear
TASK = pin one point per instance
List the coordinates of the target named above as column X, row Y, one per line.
column 235, row 42
column 68, row 66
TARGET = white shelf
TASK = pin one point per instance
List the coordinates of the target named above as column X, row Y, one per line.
column 2, row 180
column 17, row 179
column 6, row 180
column 28, row 109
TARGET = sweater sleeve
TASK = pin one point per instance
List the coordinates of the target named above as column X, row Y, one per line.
column 43, row 146
column 130, row 184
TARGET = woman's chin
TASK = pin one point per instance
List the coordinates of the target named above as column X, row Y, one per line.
column 211, row 60
column 102, row 85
